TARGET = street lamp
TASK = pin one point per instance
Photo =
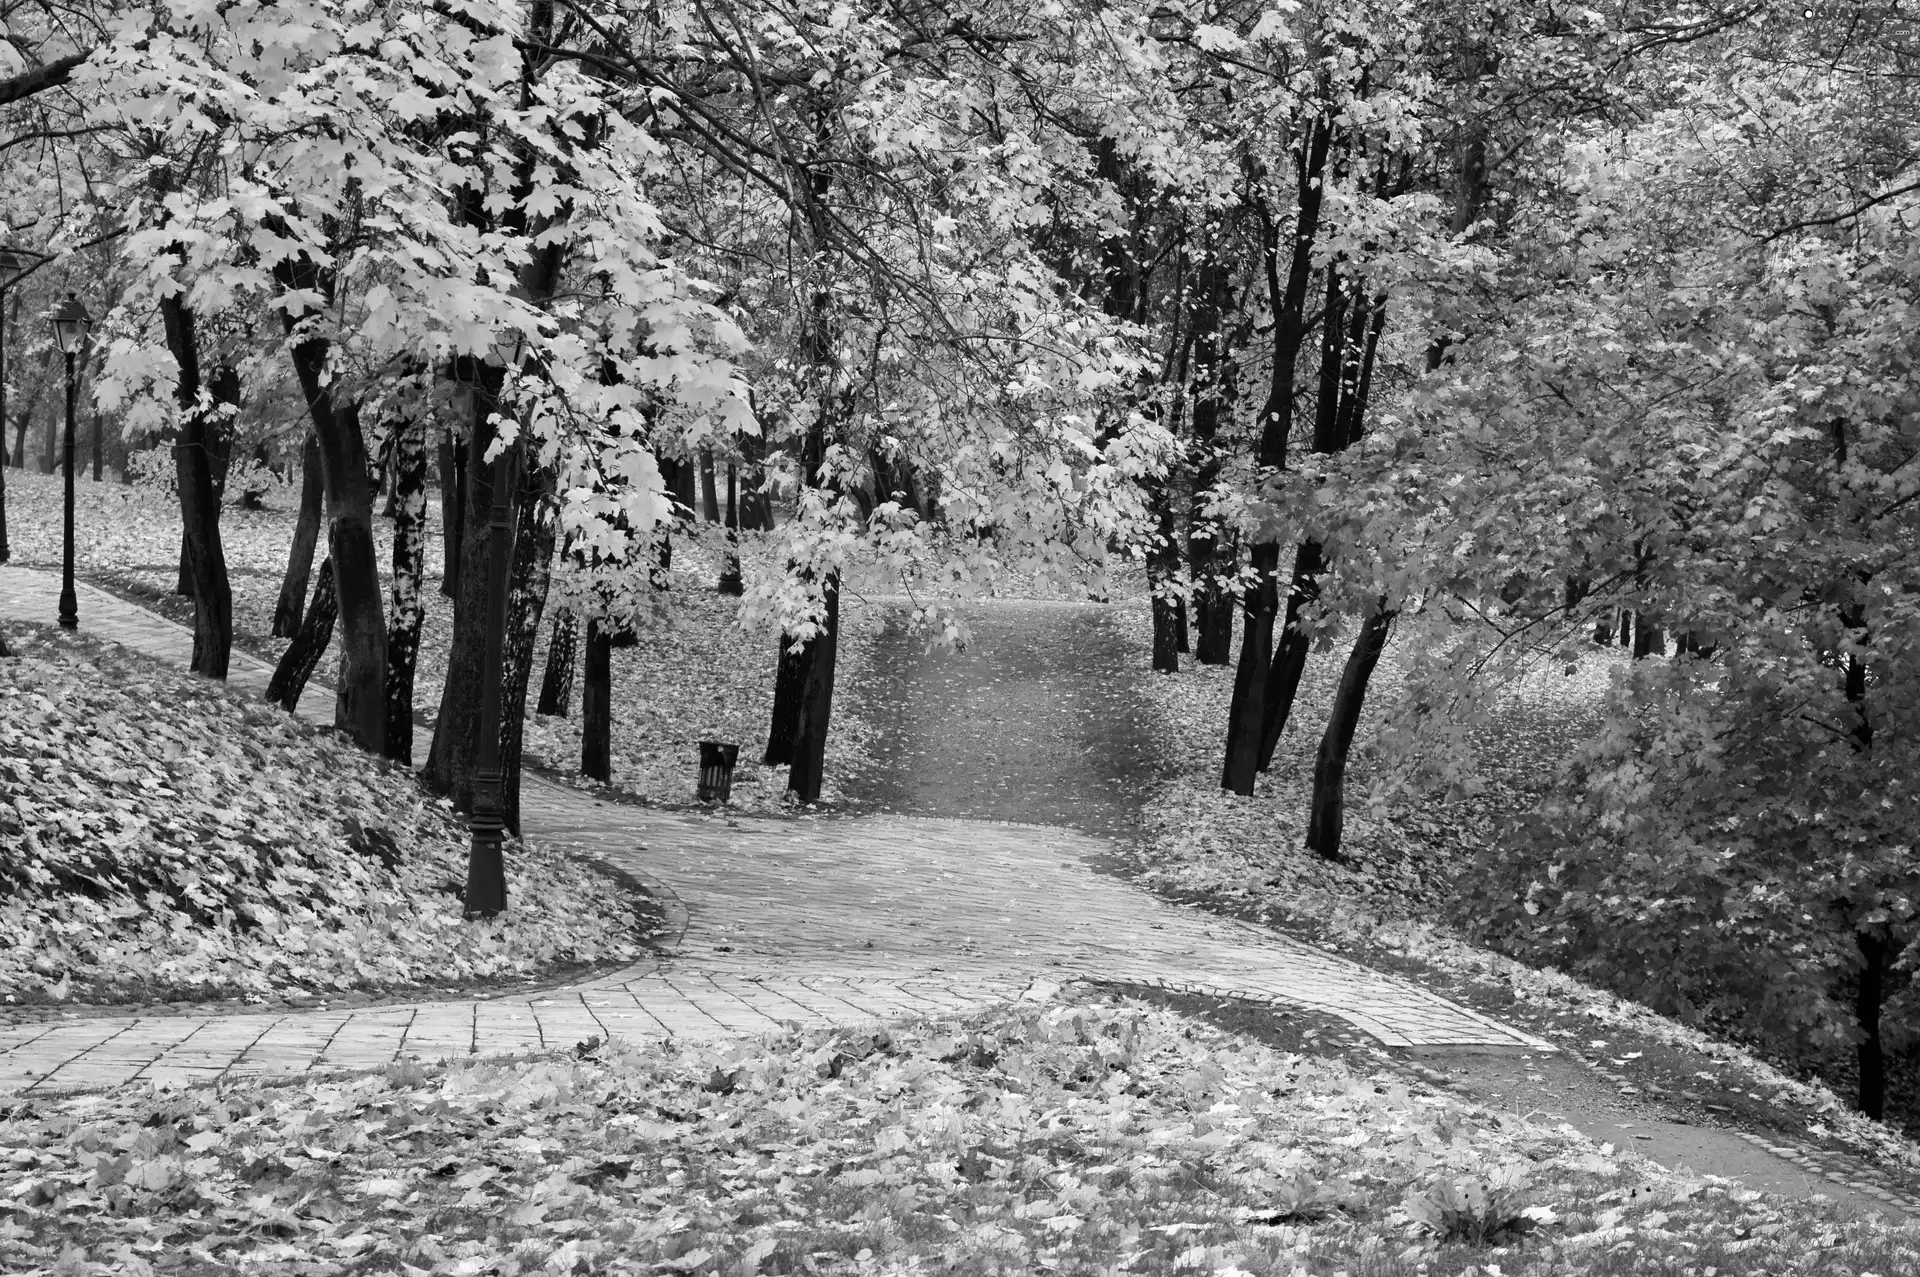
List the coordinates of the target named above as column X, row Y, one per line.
column 71, row 324
column 486, row 869
column 11, row 266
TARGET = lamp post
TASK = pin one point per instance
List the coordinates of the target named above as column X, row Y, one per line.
column 486, row 869
column 10, row 267
column 71, row 323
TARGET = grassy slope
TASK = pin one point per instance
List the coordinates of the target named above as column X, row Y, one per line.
column 174, row 840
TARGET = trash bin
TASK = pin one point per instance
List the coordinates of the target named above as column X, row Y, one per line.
column 716, row 770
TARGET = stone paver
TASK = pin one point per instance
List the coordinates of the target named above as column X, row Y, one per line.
column 785, row 922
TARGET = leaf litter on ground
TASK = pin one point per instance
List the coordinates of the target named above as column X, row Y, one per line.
column 1077, row 1135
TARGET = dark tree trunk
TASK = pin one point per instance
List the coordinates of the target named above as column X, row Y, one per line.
column 532, row 569
column 1260, row 602
column 452, row 758
column 193, row 460
column 789, row 680
column 1626, row 627
column 1327, row 812
column 409, row 469
column 756, row 504
column 453, row 504
column 360, row 708
column 1262, row 597
column 1290, row 656
column 303, row 655
column 1181, row 643
column 556, row 685
column 1648, row 638
column 1875, row 952
column 1213, row 388
column 816, row 703
column 1163, row 580
column 1603, row 628
column 596, row 705
column 709, row 496
column 731, row 582
column 306, row 533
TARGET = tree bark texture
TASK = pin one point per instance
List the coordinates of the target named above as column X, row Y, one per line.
column 453, row 504
column 1326, row 818
column 816, row 703
column 409, row 469
column 302, row 656
column 789, row 681
column 596, row 705
column 360, row 708
column 556, row 685
column 1163, row 581
column 731, row 581
column 1290, row 655
column 537, row 515
column 709, row 494
column 306, row 534
column 1212, row 393
column 1261, row 598
column 452, row 758
column 193, row 462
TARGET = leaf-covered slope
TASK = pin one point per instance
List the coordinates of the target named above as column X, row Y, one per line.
column 160, row 834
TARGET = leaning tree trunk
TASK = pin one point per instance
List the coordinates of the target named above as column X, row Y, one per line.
column 302, row 656
column 1262, row 596
column 1290, row 655
column 527, row 601
column 193, row 459
column 596, row 704
column 1327, row 810
column 409, row 469
column 816, row 702
column 556, row 686
column 306, row 532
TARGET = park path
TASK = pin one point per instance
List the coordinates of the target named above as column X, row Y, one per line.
column 824, row 920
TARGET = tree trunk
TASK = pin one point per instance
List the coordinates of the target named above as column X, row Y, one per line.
column 709, row 497
column 302, row 656
column 1258, row 605
column 1603, row 628
column 816, row 703
column 1213, row 391
column 1181, row 643
column 756, row 505
column 789, row 681
column 1327, row 812
column 193, row 460
column 306, row 532
column 1290, row 657
column 1163, row 581
column 456, row 732
column 596, row 705
column 453, row 504
column 1246, row 715
column 1648, row 638
column 731, row 581
column 556, row 686
column 1871, row 1052
column 526, row 603
column 409, row 469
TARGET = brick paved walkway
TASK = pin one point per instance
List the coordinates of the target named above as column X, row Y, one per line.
column 807, row 921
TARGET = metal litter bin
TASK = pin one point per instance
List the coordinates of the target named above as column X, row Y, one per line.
column 716, row 770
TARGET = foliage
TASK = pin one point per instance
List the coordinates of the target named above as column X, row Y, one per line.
column 164, row 836
column 1073, row 1135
